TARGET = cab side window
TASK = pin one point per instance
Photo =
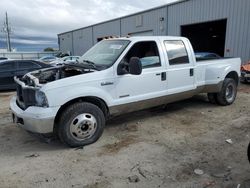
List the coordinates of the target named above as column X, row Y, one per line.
column 177, row 53
column 147, row 52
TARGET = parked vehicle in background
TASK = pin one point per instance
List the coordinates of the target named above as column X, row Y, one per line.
column 114, row 77
column 11, row 68
column 245, row 73
column 3, row 58
column 60, row 54
column 200, row 56
column 47, row 59
column 67, row 59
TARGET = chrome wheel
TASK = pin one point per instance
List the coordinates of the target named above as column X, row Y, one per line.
column 230, row 92
column 83, row 126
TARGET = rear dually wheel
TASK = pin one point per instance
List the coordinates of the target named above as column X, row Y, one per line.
column 228, row 92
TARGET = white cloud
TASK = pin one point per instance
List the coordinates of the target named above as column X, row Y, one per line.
column 39, row 18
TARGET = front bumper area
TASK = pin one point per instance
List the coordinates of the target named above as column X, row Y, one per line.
column 34, row 119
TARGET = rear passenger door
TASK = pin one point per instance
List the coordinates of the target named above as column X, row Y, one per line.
column 180, row 72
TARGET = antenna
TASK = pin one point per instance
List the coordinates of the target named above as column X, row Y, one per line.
column 7, row 30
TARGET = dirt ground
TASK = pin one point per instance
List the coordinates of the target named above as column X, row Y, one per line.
column 159, row 147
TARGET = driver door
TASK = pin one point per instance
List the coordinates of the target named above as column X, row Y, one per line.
column 134, row 89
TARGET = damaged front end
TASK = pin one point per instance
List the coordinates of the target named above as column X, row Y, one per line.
column 28, row 87
column 44, row 76
column 28, row 94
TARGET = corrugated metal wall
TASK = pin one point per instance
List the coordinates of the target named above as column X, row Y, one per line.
column 237, row 13
column 66, row 42
column 150, row 22
column 154, row 21
column 82, row 40
column 111, row 28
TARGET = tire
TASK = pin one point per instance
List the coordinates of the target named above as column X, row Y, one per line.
column 228, row 92
column 212, row 98
column 81, row 124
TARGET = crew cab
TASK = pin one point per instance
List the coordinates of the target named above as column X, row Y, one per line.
column 114, row 77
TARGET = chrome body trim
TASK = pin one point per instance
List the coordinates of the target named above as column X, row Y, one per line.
column 214, row 88
column 41, row 120
column 107, row 83
column 140, row 105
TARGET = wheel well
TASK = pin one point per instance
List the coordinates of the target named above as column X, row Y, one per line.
column 94, row 100
column 234, row 76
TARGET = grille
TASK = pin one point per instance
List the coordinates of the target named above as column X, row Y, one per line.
column 25, row 97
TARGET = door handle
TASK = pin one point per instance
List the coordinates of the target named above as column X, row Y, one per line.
column 163, row 76
column 191, row 72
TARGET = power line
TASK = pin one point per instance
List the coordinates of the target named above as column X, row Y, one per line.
column 7, row 30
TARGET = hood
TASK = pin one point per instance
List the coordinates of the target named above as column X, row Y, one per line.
column 41, row 77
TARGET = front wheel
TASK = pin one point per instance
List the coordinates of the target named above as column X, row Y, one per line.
column 228, row 92
column 81, row 124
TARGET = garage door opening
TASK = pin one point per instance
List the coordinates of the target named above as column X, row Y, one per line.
column 207, row 37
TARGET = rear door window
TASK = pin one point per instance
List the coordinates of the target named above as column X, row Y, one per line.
column 176, row 51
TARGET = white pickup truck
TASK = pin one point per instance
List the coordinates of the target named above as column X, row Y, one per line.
column 118, row 76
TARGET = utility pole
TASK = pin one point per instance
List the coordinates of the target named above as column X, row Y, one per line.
column 7, row 30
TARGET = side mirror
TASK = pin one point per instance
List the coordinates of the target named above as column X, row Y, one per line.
column 135, row 66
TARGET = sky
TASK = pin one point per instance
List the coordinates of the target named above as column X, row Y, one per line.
column 36, row 23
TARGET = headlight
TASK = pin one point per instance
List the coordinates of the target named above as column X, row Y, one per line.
column 41, row 99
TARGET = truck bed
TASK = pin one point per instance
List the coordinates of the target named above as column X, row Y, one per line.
column 208, row 72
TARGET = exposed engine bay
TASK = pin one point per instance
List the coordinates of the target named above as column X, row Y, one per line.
column 44, row 76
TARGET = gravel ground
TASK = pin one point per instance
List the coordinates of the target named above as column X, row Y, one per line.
column 159, row 147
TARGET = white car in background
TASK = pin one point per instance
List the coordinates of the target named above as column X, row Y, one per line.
column 67, row 59
column 47, row 59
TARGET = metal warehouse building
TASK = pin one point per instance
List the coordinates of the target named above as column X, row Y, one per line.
column 220, row 26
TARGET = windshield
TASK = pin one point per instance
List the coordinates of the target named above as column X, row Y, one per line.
column 104, row 53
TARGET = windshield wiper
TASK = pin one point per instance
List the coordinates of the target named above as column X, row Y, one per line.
column 88, row 64
column 91, row 63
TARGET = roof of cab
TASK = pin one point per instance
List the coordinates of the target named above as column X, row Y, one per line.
column 138, row 38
